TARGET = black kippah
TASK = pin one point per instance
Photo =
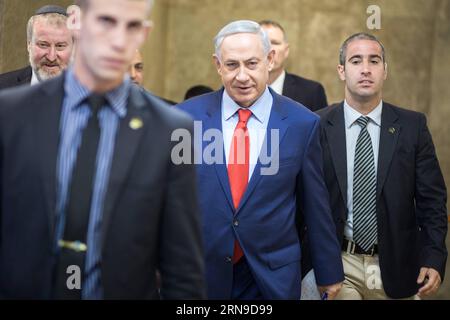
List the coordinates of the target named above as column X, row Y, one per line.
column 51, row 9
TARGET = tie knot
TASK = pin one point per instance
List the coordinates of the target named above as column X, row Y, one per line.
column 363, row 121
column 95, row 102
column 244, row 115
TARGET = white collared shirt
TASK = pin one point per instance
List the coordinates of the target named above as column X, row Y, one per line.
column 256, row 125
column 34, row 78
column 352, row 130
column 278, row 84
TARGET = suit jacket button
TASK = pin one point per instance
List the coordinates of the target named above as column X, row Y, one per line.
column 228, row 259
column 236, row 223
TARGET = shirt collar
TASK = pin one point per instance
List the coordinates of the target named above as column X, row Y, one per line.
column 76, row 93
column 278, row 84
column 259, row 109
column 34, row 78
column 351, row 115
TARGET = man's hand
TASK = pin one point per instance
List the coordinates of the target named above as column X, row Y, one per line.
column 431, row 281
column 331, row 290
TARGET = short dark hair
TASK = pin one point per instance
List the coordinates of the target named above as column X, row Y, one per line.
column 358, row 36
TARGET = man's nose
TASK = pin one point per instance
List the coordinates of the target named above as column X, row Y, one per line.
column 242, row 75
column 119, row 39
column 51, row 53
column 365, row 68
column 132, row 72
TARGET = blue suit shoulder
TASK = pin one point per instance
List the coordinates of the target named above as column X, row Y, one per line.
column 175, row 118
column 202, row 104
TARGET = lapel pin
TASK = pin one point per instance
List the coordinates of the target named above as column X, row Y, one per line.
column 391, row 130
column 136, row 123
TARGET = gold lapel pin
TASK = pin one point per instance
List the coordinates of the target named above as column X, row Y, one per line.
column 391, row 130
column 136, row 123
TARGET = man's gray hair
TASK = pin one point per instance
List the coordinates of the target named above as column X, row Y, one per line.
column 56, row 19
column 241, row 26
column 358, row 36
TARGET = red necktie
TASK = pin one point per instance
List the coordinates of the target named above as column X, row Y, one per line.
column 238, row 166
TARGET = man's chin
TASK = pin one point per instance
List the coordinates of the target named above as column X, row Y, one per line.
column 45, row 75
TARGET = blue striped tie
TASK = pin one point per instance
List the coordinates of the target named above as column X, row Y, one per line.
column 364, row 190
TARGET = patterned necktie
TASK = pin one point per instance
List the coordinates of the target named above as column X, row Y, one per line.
column 364, row 190
column 79, row 203
column 238, row 167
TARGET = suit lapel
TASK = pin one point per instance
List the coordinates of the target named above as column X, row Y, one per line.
column 214, row 121
column 126, row 144
column 335, row 133
column 390, row 131
column 47, row 133
column 25, row 76
column 288, row 85
column 276, row 122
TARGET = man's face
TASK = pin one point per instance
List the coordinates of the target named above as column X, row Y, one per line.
column 244, row 67
column 279, row 44
column 364, row 71
column 137, row 69
column 50, row 48
column 111, row 32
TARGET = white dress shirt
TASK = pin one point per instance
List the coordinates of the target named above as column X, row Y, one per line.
column 352, row 130
column 256, row 125
column 34, row 78
column 278, row 84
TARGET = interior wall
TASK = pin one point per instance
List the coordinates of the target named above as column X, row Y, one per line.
column 178, row 53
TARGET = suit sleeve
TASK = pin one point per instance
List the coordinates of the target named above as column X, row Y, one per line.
column 321, row 231
column 181, row 247
column 431, row 201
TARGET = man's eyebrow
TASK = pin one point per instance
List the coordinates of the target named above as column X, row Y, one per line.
column 356, row 56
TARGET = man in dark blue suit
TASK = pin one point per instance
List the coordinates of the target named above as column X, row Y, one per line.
column 248, row 203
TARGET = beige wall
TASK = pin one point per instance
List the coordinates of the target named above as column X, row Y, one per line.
column 177, row 55
column 1, row 33
column 416, row 34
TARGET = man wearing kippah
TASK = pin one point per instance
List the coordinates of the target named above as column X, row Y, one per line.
column 49, row 48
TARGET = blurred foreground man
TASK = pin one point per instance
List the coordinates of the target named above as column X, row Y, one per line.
column 91, row 203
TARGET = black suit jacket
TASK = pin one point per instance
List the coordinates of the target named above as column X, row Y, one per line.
column 15, row 78
column 150, row 219
column 307, row 92
column 411, row 194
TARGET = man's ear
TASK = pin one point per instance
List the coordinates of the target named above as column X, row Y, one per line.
column 147, row 28
column 341, row 72
column 287, row 50
column 74, row 20
column 385, row 71
column 271, row 59
column 217, row 63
